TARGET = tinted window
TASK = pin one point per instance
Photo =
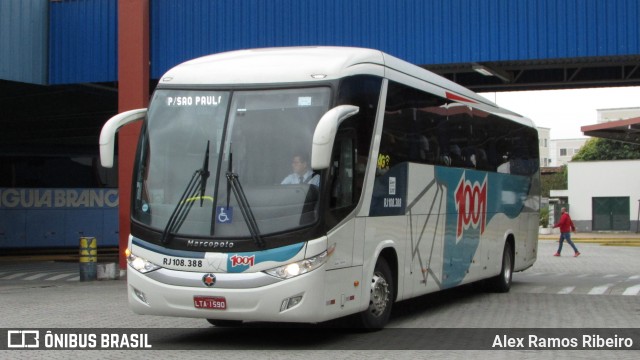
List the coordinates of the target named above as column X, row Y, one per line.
column 424, row 128
column 352, row 145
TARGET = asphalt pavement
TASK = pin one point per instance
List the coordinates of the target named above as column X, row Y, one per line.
column 48, row 294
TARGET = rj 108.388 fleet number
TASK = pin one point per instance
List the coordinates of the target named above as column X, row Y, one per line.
column 182, row 262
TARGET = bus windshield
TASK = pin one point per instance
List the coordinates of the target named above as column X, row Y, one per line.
column 199, row 147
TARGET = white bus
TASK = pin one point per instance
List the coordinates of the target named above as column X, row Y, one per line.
column 411, row 184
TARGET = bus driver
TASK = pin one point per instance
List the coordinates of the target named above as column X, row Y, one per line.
column 302, row 174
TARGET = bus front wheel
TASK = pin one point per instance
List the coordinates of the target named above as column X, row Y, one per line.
column 381, row 298
column 225, row 323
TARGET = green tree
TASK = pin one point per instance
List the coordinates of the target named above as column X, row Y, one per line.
column 606, row 149
column 557, row 181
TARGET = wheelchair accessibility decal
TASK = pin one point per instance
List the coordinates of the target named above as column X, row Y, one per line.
column 224, row 215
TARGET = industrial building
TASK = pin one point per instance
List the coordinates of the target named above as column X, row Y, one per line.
column 69, row 65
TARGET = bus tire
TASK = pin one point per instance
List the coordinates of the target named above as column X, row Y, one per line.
column 502, row 282
column 377, row 314
column 225, row 323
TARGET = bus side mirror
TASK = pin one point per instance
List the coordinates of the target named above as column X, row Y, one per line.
column 109, row 130
column 325, row 134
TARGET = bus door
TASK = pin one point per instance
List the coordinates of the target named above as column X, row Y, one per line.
column 342, row 199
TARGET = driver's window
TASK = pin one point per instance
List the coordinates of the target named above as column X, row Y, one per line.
column 342, row 172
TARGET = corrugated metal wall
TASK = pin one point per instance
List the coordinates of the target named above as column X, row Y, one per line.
column 23, row 40
column 421, row 31
column 83, row 33
column 83, row 41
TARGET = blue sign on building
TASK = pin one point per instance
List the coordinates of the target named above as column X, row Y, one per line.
column 43, row 217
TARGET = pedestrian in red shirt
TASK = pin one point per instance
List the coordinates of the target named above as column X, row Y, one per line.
column 566, row 227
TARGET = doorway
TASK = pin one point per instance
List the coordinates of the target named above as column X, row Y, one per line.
column 611, row 213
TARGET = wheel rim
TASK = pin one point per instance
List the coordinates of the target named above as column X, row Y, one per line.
column 379, row 295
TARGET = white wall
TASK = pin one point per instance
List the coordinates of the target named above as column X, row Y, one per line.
column 572, row 146
column 588, row 179
column 544, row 137
column 606, row 115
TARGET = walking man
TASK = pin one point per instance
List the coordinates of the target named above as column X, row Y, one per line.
column 566, row 227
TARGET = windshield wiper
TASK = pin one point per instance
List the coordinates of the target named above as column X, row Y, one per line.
column 204, row 174
column 197, row 183
column 233, row 183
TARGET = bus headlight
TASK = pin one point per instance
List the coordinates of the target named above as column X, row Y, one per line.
column 141, row 264
column 298, row 268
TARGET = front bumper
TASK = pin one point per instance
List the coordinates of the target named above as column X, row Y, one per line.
column 262, row 302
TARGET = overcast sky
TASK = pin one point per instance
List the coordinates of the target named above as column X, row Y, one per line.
column 565, row 111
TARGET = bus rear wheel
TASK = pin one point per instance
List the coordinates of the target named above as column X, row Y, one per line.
column 381, row 298
column 502, row 282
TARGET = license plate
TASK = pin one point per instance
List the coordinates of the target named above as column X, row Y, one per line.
column 210, row 302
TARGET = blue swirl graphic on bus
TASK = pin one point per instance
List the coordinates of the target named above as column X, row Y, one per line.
column 473, row 198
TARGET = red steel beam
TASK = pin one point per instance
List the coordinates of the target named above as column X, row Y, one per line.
column 133, row 93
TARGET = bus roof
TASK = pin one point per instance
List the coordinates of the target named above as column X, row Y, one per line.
column 272, row 65
column 288, row 65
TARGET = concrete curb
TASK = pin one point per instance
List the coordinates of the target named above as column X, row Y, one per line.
column 630, row 239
